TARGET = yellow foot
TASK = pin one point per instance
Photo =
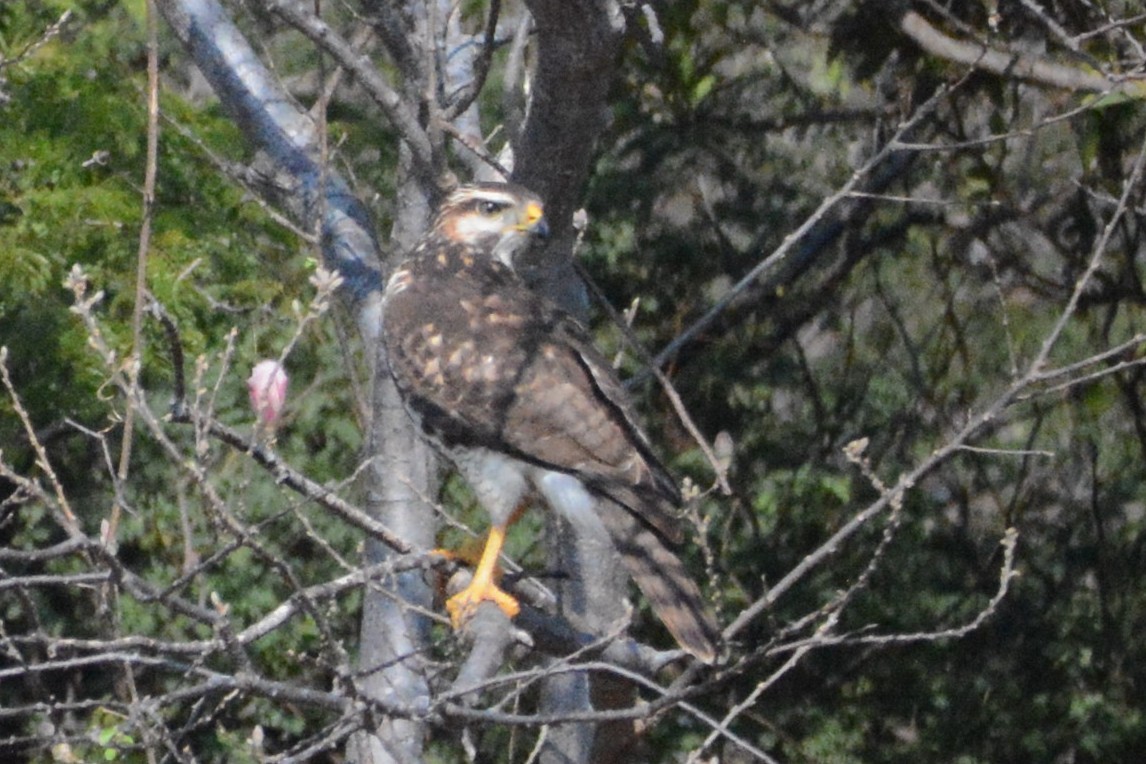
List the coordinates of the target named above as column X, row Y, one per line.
column 483, row 586
column 463, row 605
column 467, row 553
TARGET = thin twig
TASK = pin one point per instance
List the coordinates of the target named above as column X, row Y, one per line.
column 47, row 36
column 1007, row 574
column 69, row 522
column 719, row 467
column 973, row 425
column 400, row 113
column 778, row 255
column 150, row 172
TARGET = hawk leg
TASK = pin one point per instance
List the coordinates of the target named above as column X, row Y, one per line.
column 482, row 587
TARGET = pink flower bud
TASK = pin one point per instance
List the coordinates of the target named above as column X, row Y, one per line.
column 268, row 387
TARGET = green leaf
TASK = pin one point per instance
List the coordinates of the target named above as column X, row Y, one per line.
column 702, row 88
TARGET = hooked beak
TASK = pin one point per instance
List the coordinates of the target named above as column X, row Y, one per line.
column 535, row 222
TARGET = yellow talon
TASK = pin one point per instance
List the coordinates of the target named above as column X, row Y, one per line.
column 482, row 587
column 463, row 605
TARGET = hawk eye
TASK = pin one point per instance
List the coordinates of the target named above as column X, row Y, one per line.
column 490, row 208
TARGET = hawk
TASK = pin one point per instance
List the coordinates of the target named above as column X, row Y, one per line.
column 510, row 389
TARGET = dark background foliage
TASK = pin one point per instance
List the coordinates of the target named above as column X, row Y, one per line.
column 910, row 306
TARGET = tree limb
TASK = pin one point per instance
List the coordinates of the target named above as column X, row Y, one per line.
column 1017, row 65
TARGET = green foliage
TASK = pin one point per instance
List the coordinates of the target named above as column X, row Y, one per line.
column 935, row 317
column 73, row 135
column 898, row 327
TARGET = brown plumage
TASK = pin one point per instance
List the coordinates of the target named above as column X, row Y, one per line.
column 512, row 390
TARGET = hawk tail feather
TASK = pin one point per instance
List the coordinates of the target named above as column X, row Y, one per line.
column 662, row 577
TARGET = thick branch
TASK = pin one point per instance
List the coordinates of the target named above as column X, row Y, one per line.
column 1011, row 64
column 277, row 126
column 397, row 111
column 578, row 42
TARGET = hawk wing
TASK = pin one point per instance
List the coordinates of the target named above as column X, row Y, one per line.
column 485, row 362
column 491, row 370
column 570, row 413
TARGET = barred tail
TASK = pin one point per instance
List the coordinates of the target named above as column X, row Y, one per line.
column 662, row 577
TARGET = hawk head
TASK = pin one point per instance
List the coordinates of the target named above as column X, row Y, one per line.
column 500, row 219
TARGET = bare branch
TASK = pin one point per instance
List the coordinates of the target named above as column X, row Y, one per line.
column 397, row 111
column 1017, row 65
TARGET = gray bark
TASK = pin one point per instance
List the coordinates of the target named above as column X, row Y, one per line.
column 577, row 44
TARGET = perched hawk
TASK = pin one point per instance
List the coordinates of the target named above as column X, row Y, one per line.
column 511, row 389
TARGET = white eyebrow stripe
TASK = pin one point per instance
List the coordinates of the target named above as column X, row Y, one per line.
column 469, row 194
